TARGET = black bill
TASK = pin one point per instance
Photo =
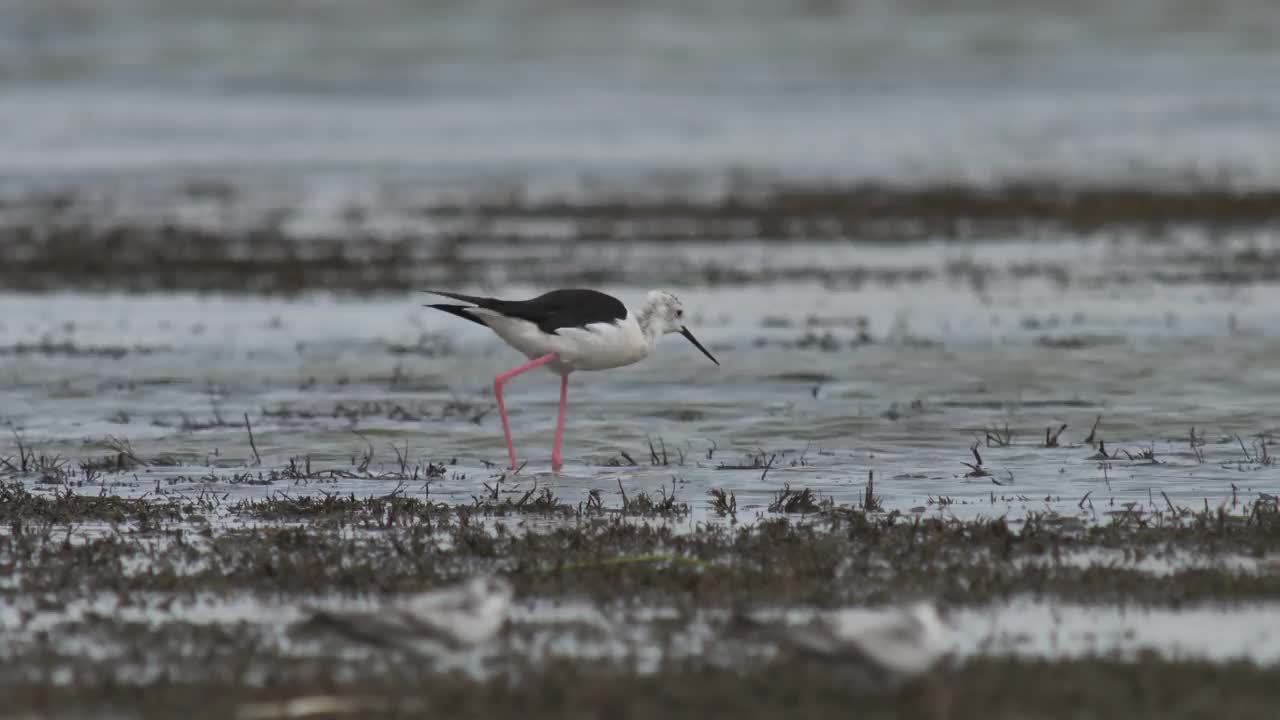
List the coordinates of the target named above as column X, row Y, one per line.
column 685, row 332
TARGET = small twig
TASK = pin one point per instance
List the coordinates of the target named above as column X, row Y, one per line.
column 123, row 447
column 1144, row 455
column 1051, row 438
column 527, row 495
column 257, row 459
column 22, row 452
column 998, row 436
column 975, row 468
column 402, row 458
column 1247, row 457
column 767, row 466
column 869, row 501
column 724, row 503
column 368, row 455
column 1093, row 431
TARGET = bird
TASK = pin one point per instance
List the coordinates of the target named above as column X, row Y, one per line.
column 447, row 619
column 902, row 642
column 571, row 329
column 891, row 644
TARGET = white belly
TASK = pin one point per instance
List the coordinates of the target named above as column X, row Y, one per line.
column 598, row 346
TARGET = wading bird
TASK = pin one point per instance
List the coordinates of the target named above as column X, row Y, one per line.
column 568, row 330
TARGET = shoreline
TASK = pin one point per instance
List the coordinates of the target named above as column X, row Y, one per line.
column 1217, row 237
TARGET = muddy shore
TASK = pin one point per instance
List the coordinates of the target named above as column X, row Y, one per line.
column 60, row 242
column 170, row 567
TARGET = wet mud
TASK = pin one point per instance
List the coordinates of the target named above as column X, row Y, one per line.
column 1000, row 688
column 51, row 243
column 161, row 642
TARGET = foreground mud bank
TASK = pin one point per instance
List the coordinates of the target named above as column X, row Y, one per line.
column 148, row 609
column 804, row 551
column 1002, row 689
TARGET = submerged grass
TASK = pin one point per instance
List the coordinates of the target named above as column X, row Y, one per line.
column 295, row 549
column 831, row 555
column 20, row 508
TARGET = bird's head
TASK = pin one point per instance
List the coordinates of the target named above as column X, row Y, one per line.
column 666, row 315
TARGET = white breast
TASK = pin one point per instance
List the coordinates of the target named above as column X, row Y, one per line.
column 598, row 346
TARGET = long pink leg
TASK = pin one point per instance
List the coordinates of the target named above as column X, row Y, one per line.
column 564, row 403
column 502, row 408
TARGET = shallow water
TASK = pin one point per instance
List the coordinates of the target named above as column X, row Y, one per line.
column 894, row 379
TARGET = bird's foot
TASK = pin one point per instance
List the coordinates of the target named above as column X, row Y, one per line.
column 556, row 463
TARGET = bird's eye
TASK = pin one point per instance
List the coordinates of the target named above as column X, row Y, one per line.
column 679, row 313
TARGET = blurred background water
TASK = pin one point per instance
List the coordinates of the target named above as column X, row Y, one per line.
column 342, row 94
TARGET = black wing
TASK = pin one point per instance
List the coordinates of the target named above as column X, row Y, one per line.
column 549, row 311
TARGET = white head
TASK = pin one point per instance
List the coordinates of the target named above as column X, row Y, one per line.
column 910, row 643
column 933, row 628
column 484, row 611
column 662, row 313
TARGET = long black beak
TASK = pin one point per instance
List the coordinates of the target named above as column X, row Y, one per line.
column 685, row 332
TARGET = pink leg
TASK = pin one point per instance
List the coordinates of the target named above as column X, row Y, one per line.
column 502, row 408
column 556, row 464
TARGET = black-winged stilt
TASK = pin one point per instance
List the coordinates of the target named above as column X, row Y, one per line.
column 569, row 330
